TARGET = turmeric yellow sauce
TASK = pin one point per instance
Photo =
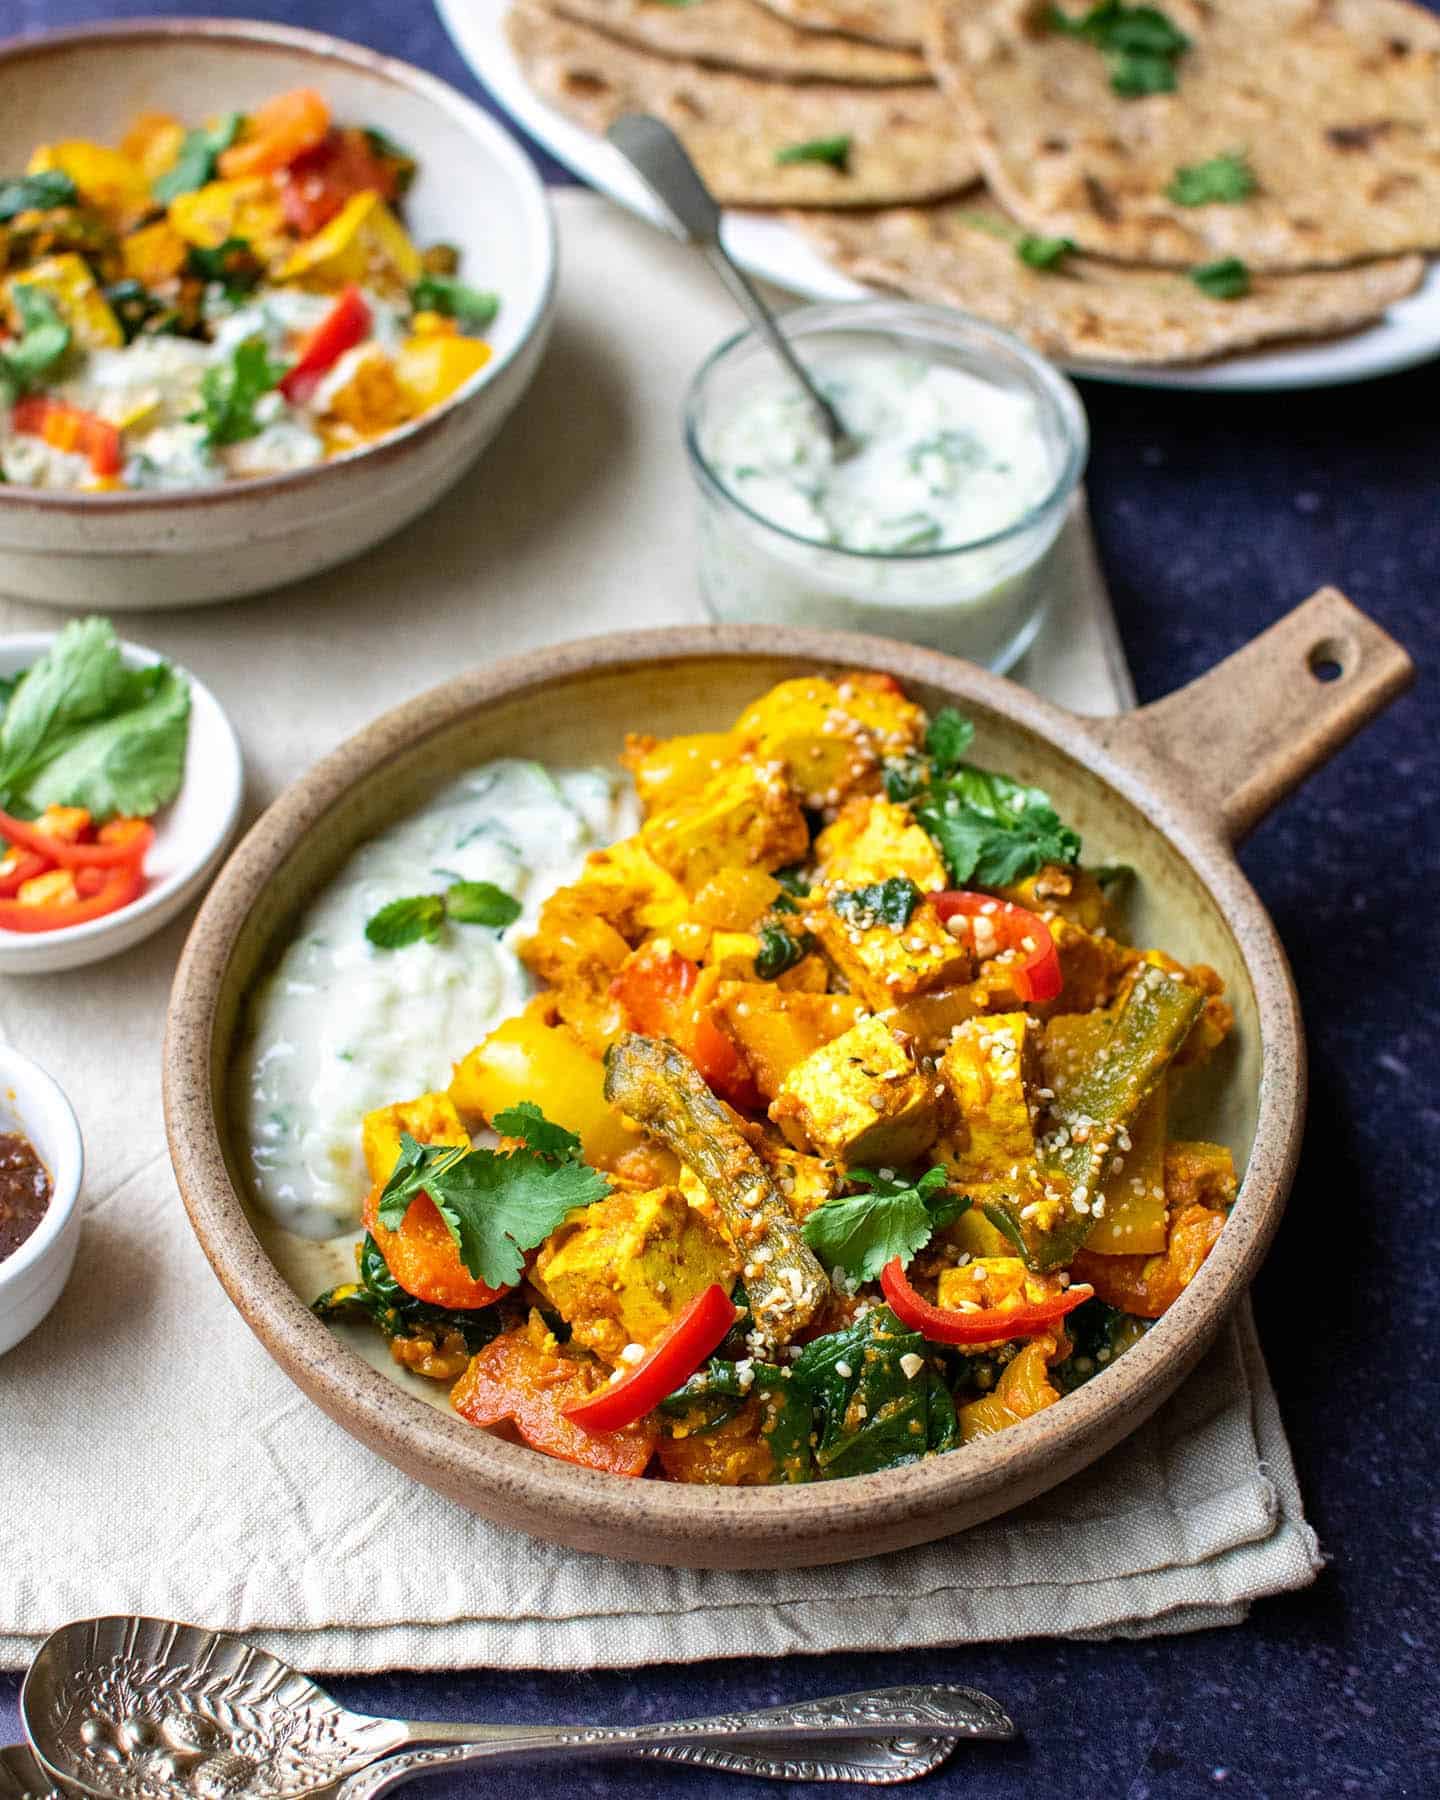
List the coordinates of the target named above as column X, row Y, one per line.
column 220, row 301
column 847, row 1033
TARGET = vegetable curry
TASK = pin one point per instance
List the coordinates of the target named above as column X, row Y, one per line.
column 836, row 1135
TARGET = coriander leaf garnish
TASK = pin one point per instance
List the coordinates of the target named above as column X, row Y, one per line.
column 889, row 902
column 993, row 831
column 406, row 921
column 891, row 1217
column 199, row 153
column 1044, row 253
column 832, row 150
column 525, row 1121
column 496, row 1205
column 44, row 339
column 1139, row 44
column 229, row 390
column 481, row 903
column 36, row 193
column 950, row 735
column 779, row 951
column 1223, row 180
column 1227, row 279
column 475, row 308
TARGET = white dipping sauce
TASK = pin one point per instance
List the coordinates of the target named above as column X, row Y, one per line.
column 341, row 1028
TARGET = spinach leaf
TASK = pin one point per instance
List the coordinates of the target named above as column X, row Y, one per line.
column 36, row 193
column 871, row 1411
column 199, row 153
column 1098, row 1333
column 780, row 950
column 719, row 1392
column 890, row 1217
column 474, row 308
column 1223, row 180
column 889, row 902
column 832, row 150
column 377, row 1297
column 792, row 879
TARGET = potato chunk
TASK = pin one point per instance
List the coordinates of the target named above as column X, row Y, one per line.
column 430, row 1119
column 668, row 769
column 776, row 1028
column 832, row 735
column 746, row 816
column 859, row 1099
column 990, row 1067
column 621, row 1269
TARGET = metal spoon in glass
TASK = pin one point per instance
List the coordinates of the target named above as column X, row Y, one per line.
column 662, row 163
column 147, row 1709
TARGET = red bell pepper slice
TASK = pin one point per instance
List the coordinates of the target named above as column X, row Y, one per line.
column 122, row 842
column 665, row 995
column 988, row 1326
column 25, row 866
column 71, row 428
column 1037, row 975
column 346, row 324
column 697, row 1331
column 101, row 891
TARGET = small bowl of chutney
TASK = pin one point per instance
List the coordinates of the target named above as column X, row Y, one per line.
column 42, row 1161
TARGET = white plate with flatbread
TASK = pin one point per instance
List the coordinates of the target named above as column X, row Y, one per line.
column 1408, row 333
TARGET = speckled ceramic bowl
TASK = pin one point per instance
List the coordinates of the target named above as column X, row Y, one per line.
column 1167, row 789
column 475, row 188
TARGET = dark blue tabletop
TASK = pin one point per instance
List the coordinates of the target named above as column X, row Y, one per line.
column 1214, row 515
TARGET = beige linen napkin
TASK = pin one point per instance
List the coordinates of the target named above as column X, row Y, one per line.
column 187, row 1477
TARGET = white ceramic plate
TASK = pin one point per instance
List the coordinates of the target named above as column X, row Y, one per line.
column 1408, row 334
column 191, row 833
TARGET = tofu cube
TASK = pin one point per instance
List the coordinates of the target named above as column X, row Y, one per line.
column 887, row 965
column 990, row 1067
column 745, row 817
column 776, row 1028
column 859, row 1099
column 832, row 735
column 621, row 1269
column 872, row 839
column 430, row 1119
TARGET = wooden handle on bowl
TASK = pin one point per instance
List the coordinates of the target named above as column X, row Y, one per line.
column 1239, row 738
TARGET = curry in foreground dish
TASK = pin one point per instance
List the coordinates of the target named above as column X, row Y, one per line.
column 835, row 1137
column 233, row 299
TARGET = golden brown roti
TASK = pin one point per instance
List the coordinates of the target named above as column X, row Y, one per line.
column 1336, row 103
column 904, row 144
column 900, row 22
column 962, row 253
column 742, row 34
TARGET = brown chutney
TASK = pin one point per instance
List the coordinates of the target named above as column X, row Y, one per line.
column 24, row 1191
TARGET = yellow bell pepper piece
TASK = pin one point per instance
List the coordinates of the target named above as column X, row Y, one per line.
column 154, row 254
column 247, row 209
column 105, row 179
column 430, row 369
column 68, row 282
column 152, row 143
column 364, row 243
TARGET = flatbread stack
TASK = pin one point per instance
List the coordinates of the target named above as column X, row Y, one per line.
column 1116, row 183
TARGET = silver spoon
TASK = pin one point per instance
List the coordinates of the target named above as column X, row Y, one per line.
column 147, row 1709
column 663, row 164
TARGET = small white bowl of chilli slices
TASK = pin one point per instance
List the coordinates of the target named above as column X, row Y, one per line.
column 121, row 783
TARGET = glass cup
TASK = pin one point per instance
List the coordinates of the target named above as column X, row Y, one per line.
column 984, row 599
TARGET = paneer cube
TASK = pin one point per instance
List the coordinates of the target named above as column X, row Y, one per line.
column 430, row 1119
column 833, row 736
column 776, row 1028
column 860, row 1099
column 667, row 769
column 746, row 816
column 990, row 1067
column 66, row 280
column 248, row 208
column 886, row 964
column 873, row 839
column 363, row 243
column 621, row 1269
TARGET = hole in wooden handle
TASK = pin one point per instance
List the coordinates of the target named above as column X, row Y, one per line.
column 1331, row 658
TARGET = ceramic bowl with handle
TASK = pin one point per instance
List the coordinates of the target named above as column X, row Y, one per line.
column 474, row 188
column 1167, row 789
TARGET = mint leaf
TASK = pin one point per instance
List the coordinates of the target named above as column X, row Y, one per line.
column 36, row 193
column 405, row 922
column 892, row 1217
column 832, row 150
column 474, row 308
column 229, row 390
column 199, row 153
column 497, row 1205
column 1044, row 253
column 1227, row 279
column 881, row 903
column 481, row 903
column 1223, row 180
column 526, row 1121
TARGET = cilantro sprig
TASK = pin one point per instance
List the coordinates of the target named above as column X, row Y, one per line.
column 44, row 339
column 1139, row 43
column 496, row 1204
column 832, row 150
column 891, row 1216
column 474, row 308
column 230, row 390
column 406, row 921
column 1227, row 279
column 1223, row 180
column 1044, row 253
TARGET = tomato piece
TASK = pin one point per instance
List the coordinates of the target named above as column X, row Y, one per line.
column 666, row 995
column 98, row 892
column 943, row 1325
column 125, row 847
column 70, row 428
column 696, row 1331
column 319, row 181
column 277, row 133
column 515, row 1379
column 424, row 1258
column 346, row 324
column 1037, row 975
